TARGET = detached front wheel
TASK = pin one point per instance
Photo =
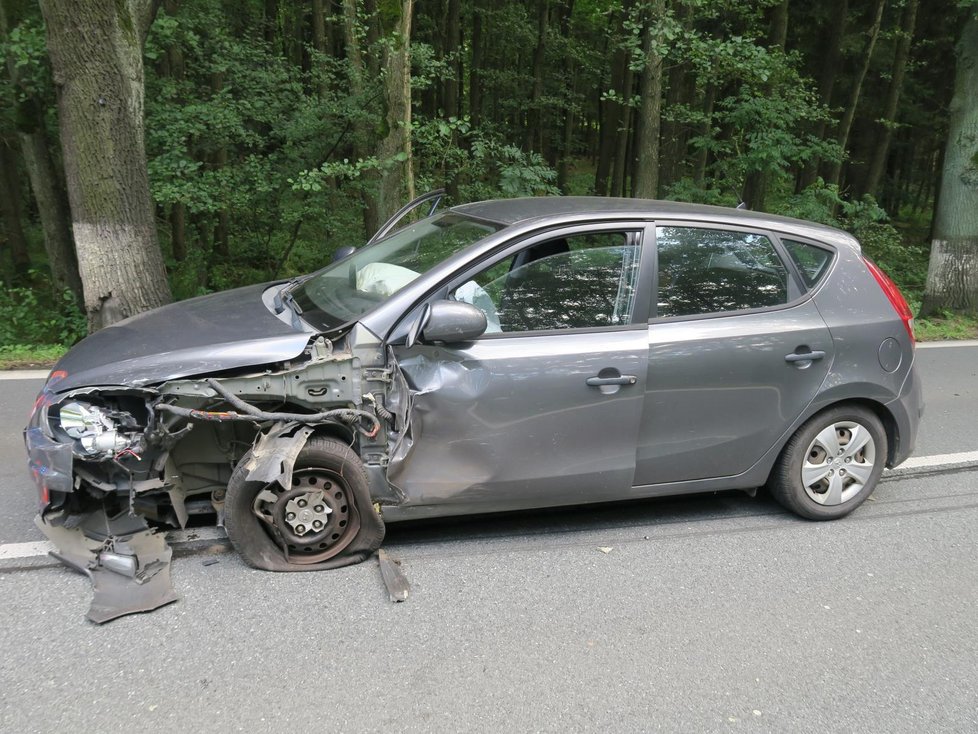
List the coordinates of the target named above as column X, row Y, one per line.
column 323, row 520
column 832, row 464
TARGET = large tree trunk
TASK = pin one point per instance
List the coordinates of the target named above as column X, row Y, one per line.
column 845, row 127
column 952, row 277
column 886, row 123
column 645, row 179
column 96, row 56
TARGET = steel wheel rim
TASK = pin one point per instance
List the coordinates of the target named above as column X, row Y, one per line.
column 839, row 463
column 301, row 542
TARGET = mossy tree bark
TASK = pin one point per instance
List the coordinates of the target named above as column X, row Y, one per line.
column 952, row 276
column 95, row 48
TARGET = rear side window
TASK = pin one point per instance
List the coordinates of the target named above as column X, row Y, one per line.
column 813, row 262
column 706, row 271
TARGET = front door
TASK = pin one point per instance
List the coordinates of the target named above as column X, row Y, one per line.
column 544, row 408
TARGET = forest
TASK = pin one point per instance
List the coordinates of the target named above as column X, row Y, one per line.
column 152, row 151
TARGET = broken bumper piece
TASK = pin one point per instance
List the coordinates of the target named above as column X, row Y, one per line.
column 127, row 562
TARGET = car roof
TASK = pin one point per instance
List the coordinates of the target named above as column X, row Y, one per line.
column 540, row 209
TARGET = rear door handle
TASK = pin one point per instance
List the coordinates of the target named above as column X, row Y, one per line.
column 622, row 380
column 805, row 357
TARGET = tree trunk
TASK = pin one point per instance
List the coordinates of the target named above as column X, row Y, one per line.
column 534, row 116
column 46, row 181
column 890, row 108
column 706, row 130
column 319, row 41
column 757, row 182
column 371, row 215
column 952, row 276
column 608, row 116
column 173, row 64
column 396, row 177
column 623, row 119
column 829, row 71
column 270, row 24
column 453, row 42
column 645, row 179
column 778, row 30
column 845, row 127
column 10, row 196
column 475, row 66
column 96, row 55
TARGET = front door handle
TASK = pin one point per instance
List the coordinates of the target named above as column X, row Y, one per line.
column 804, row 357
column 620, row 380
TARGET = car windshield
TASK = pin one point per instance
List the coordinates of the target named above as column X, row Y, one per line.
column 344, row 291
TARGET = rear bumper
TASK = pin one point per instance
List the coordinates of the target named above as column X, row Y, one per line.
column 906, row 410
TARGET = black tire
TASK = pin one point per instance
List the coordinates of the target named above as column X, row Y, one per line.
column 842, row 481
column 324, row 465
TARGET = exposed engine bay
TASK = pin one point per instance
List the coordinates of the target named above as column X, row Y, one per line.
column 118, row 465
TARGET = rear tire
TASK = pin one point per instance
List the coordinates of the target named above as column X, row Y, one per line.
column 330, row 485
column 832, row 463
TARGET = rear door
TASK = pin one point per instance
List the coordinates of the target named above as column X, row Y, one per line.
column 544, row 409
column 736, row 353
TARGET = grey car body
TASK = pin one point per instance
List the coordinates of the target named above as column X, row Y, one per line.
column 642, row 385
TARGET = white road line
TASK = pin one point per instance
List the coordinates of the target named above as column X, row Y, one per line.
column 40, row 548
column 944, row 345
column 13, row 551
column 921, row 462
column 24, row 375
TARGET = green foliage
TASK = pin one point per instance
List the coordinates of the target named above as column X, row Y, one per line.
column 39, row 315
column 22, row 356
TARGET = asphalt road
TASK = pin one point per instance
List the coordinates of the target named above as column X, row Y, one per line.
column 716, row 613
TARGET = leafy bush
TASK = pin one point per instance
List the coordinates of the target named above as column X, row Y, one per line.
column 38, row 316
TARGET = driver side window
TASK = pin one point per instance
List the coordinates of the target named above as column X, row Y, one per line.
column 575, row 282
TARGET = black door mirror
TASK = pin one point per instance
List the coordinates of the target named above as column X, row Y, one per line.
column 343, row 253
column 452, row 322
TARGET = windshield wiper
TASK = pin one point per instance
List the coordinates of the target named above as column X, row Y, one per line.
column 284, row 298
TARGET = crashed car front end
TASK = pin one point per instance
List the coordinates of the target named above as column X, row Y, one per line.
column 116, row 465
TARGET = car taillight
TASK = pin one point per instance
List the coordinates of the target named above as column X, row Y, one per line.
column 895, row 297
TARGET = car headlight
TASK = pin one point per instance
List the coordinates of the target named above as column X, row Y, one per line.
column 93, row 428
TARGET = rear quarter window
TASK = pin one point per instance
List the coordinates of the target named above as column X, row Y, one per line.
column 813, row 262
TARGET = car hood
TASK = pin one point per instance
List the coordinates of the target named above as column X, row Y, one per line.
column 207, row 334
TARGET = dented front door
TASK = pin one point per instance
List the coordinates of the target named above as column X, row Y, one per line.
column 521, row 421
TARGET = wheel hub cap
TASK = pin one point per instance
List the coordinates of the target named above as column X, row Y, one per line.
column 307, row 513
column 838, row 463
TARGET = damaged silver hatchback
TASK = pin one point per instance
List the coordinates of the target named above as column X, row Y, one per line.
column 495, row 356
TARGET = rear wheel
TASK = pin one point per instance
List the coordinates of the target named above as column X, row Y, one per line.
column 323, row 520
column 832, row 464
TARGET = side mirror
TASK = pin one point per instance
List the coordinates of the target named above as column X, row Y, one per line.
column 343, row 253
column 452, row 322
